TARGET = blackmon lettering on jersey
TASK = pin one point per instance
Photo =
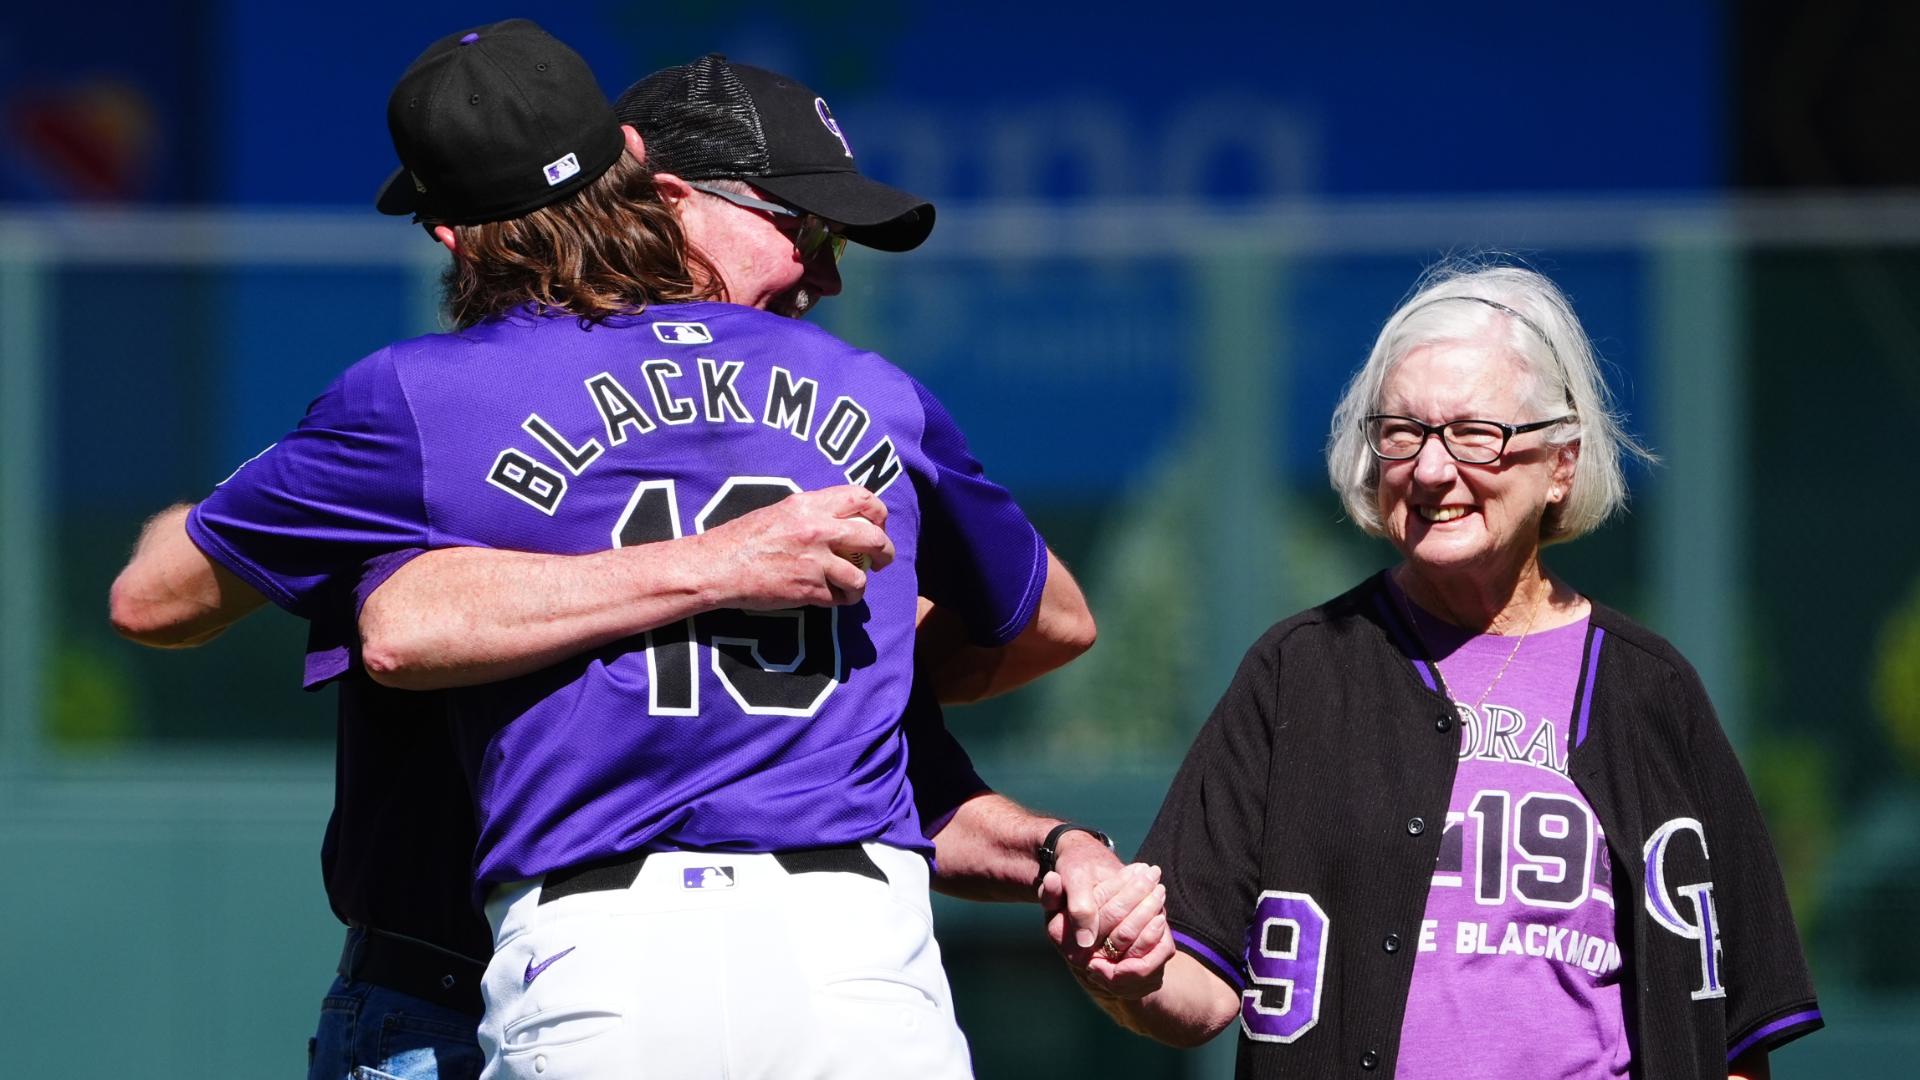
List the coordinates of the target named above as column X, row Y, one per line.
column 711, row 392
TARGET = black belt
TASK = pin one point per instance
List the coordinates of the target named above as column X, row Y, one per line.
column 621, row 871
column 413, row 967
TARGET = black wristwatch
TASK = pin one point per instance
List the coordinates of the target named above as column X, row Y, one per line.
column 1049, row 849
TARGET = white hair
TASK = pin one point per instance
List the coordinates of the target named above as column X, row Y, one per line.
column 1531, row 320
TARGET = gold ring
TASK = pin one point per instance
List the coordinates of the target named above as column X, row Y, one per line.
column 1112, row 951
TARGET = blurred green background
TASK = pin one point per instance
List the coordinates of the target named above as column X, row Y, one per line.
column 1146, row 355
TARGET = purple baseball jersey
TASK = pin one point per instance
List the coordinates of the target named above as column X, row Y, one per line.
column 1521, row 908
column 730, row 731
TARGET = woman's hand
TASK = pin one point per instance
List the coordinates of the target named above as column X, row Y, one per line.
column 1131, row 969
column 1131, row 943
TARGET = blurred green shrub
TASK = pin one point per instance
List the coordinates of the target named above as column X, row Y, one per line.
column 90, row 698
column 1896, row 681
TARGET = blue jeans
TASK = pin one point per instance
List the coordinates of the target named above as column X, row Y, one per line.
column 370, row 1032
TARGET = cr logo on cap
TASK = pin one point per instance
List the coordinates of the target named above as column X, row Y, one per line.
column 826, row 117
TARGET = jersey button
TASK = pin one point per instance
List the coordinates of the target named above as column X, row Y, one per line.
column 1370, row 1059
column 1444, row 723
column 1416, row 826
column 1391, row 943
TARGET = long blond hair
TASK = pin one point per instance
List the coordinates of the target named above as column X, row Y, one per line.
column 611, row 248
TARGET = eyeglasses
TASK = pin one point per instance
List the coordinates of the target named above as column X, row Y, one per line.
column 1471, row 442
column 813, row 234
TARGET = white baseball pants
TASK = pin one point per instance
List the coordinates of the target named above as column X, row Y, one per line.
column 722, row 966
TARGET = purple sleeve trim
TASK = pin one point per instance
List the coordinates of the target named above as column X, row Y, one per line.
column 1017, row 622
column 375, row 572
column 1400, row 639
column 325, row 665
column 931, row 829
column 1212, row 959
column 330, row 653
column 217, row 549
column 1593, row 671
column 1767, row 1031
column 972, row 533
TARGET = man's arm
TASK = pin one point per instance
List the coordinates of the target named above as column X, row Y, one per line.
column 1061, row 629
column 170, row 595
column 989, row 850
column 462, row 616
column 988, row 847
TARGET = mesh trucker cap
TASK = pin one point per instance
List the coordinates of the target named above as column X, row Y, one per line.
column 493, row 123
column 712, row 120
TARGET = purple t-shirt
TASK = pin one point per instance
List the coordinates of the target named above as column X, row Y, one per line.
column 731, row 731
column 1518, row 972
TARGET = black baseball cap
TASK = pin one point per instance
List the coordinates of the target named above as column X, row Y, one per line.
column 712, row 120
column 495, row 122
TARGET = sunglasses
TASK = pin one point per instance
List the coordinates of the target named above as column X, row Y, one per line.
column 814, row 233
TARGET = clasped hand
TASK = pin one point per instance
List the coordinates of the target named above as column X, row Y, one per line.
column 800, row 551
column 1109, row 924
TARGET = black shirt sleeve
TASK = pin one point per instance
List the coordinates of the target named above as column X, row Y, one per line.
column 938, row 767
column 1770, row 998
column 1208, row 836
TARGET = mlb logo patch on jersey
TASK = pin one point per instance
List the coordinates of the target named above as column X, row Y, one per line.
column 707, row 877
column 560, row 169
column 683, row 333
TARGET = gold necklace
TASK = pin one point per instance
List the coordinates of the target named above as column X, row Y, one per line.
column 1413, row 620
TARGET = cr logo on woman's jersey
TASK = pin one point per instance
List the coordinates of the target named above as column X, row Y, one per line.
column 1705, row 926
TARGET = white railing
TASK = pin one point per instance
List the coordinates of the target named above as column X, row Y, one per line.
column 1696, row 320
column 1696, row 324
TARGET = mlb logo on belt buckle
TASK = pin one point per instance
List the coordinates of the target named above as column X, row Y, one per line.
column 707, row 877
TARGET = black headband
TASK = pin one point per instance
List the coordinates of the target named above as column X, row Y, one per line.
column 1498, row 306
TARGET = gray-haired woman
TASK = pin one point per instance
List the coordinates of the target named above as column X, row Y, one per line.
column 1463, row 820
